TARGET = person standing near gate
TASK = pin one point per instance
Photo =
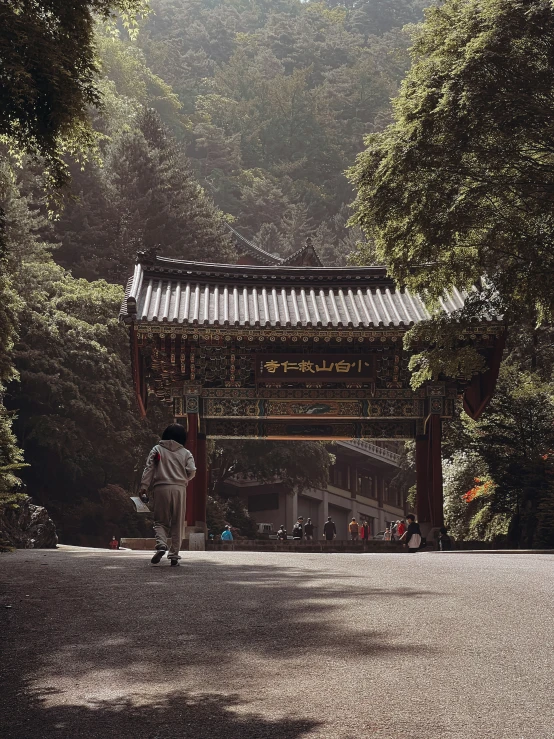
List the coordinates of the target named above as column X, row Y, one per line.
column 329, row 529
column 445, row 542
column 298, row 529
column 169, row 469
column 400, row 529
column 227, row 534
column 412, row 535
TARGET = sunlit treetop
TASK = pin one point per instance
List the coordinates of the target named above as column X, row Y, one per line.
column 47, row 75
column 460, row 185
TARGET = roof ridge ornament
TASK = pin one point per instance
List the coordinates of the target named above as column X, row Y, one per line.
column 148, row 256
column 308, row 247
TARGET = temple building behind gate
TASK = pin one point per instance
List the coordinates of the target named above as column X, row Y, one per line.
column 359, row 486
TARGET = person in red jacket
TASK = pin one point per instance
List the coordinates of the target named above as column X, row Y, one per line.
column 365, row 532
column 400, row 529
column 114, row 544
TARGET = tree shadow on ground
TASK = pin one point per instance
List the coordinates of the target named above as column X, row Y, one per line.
column 94, row 639
column 179, row 715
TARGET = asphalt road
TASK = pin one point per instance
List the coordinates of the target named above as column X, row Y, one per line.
column 251, row 645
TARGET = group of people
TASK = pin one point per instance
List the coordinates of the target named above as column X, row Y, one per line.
column 407, row 532
column 359, row 531
column 303, row 531
column 395, row 531
column 300, row 530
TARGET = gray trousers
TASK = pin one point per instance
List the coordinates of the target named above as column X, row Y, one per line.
column 169, row 516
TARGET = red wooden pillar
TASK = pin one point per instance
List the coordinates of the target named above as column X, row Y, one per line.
column 192, row 446
column 201, row 482
column 429, row 474
column 435, row 470
column 423, row 499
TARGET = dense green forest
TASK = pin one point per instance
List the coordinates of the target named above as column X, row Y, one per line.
column 265, row 103
column 163, row 123
column 457, row 191
column 194, row 114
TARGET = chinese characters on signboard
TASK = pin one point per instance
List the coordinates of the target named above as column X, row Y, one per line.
column 315, row 368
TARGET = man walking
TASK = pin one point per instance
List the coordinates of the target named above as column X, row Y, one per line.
column 329, row 530
column 353, row 528
column 309, row 530
column 169, row 469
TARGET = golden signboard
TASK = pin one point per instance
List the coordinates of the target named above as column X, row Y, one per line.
column 315, row 367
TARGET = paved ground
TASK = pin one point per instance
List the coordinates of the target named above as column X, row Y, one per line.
column 252, row 645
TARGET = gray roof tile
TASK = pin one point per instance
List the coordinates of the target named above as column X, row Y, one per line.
column 166, row 290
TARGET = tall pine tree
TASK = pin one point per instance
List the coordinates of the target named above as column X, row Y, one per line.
column 145, row 196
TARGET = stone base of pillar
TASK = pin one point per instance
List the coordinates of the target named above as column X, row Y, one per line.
column 199, row 528
column 197, row 542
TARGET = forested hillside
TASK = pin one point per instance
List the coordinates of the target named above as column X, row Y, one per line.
column 163, row 125
column 266, row 103
column 276, row 99
column 242, row 111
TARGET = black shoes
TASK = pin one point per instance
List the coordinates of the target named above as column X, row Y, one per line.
column 159, row 554
column 160, row 551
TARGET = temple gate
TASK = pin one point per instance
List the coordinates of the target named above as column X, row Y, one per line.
column 281, row 352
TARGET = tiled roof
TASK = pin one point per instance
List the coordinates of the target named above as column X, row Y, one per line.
column 187, row 293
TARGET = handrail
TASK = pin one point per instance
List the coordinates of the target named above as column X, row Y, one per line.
column 368, row 446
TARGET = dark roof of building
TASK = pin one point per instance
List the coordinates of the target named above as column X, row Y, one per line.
column 196, row 294
column 305, row 256
column 262, row 256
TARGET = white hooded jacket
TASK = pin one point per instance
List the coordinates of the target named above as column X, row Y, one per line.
column 169, row 463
